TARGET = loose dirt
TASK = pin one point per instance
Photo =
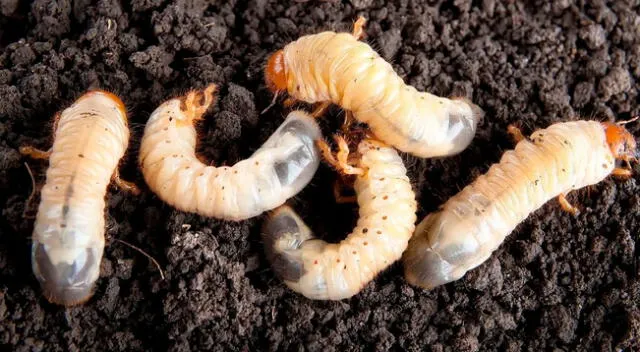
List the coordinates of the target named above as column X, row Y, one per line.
column 558, row 283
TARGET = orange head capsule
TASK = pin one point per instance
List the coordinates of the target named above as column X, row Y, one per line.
column 620, row 141
column 114, row 98
column 275, row 73
column 111, row 98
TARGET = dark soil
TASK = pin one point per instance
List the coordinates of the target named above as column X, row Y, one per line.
column 558, row 283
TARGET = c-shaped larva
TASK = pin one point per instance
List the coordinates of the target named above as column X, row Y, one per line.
column 91, row 136
column 321, row 270
column 338, row 68
column 282, row 166
column 472, row 224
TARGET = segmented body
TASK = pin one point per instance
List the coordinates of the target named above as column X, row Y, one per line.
column 336, row 67
column 473, row 223
column 282, row 166
column 68, row 238
column 320, row 270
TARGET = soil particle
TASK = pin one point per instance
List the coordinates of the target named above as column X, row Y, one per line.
column 582, row 93
column 361, row 4
column 558, row 282
column 594, row 35
column 240, row 102
column 9, row 7
column 197, row 258
column 52, row 19
column 186, row 25
column 390, row 42
column 615, row 82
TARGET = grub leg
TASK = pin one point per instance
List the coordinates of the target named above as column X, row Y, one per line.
column 566, row 206
column 516, row 133
column 35, row 153
column 125, row 185
column 358, row 28
column 622, row 172
column 320, row 109
column 340, row 160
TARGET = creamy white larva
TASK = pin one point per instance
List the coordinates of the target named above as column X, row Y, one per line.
column 91, row 136
column 282, row 166
column 336, row 67
column 472, row 224
column 327, row 271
